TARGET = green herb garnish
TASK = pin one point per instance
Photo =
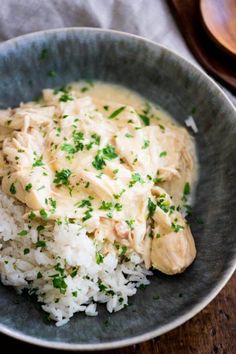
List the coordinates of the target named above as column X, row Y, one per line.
column 23, row 233
column 105, row 206
column 136, row 177
column 59, row 283
column 28, row 187
column 12, row 189
column 99, row 258
column 38, row 161
column 163, row 153
column 145, row 119
column 41, row 244
column 62, row 177
column 151, row 207
column 130, row 223
column 116, row 112
column 43, row 214
column 146, row 144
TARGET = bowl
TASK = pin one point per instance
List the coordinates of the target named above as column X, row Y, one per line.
column 180, row 88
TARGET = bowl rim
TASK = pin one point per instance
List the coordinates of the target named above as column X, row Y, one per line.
column 225, row 277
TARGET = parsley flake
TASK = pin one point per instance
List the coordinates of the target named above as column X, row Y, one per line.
column 116, row 112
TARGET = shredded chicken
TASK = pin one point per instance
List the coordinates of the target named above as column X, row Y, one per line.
column 109, row 160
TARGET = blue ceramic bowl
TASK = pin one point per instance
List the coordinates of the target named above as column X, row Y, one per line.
column 182, row 89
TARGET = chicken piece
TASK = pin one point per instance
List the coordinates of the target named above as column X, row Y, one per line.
column 4, row 133
column 38, row 184
column 72, row 107
column 23, row 149
column 105, row 230
column 27, row 182
column 103, row 187
column 174, row 252
column 172, row 248
column 131, row 146
column 122, row 230
column 25, row 117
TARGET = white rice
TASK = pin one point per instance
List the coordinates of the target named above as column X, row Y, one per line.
column 78, row 283
column 190, row 123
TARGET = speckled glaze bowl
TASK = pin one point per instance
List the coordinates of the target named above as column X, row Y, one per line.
column 163, row 77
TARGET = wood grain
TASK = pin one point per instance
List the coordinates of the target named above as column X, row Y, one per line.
column 219, row 17
column 212, row 331
column 214, row 60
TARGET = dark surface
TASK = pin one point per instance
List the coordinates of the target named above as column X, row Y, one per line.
column 214, row 60
column 182, row 90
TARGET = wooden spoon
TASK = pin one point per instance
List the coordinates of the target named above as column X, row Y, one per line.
column 219, row 17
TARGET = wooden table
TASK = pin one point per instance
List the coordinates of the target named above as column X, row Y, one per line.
column 212, row 331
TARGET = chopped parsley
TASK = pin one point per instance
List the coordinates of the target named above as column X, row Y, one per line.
column 163, row 203
column 28, row 187
column 41, row 244
column 62, row 177
column 95, row 140
column 53, row 204
column 74, row 272
column 12, row 189
column 59, row 283
column 98, row 161
column 163, row 154
column 187, row 188
column 123, row 250
column 99, row 258
column 87, row 215
column 162, row 127
column 75, row 293
column 104, row 289
column 85, row 202
column 23, row 233
column 118, row 206
column 127, row 135
column 151, row 207
column 59, row 269
column 176, row 227
column 77, row 136
column 65, row 97
column 146, row 144
column 116, row 112
column 43, row 214
column 142, row 286
column 105, row 206
column 39, row 275
column 40, row 228
column 136, row 177
column 130, row 223
column 107, row 153
column 117, row 196
column 157, row 180
column 31, row 215
column 26, row 251
column 145, row 119
column 69, row 148
column 38, row 161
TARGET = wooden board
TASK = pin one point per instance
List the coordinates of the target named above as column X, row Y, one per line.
column 212, row 331
column 214, row 60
